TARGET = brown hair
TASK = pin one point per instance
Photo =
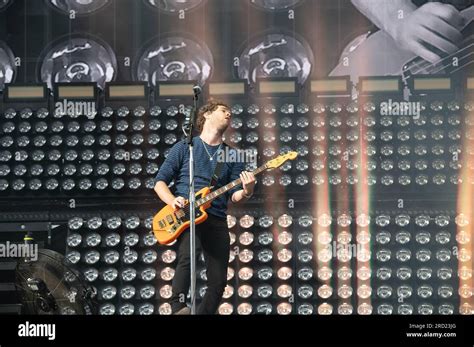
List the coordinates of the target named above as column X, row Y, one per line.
column 210, row 107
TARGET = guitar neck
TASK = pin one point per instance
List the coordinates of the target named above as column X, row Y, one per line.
column 226, row 188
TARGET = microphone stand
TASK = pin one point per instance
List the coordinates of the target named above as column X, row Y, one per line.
column 192, row 200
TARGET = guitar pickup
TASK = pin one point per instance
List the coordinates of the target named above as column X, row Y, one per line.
column 169, row 219
column 161, row 224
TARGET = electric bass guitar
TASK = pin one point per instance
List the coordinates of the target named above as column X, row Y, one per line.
column 378, row 54
column 169, row 223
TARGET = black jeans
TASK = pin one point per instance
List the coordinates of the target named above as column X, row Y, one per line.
column 212, row 237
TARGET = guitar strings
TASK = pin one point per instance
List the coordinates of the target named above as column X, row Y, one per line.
column 423, row 64
column 448, row 57
column 436, row 66
column 460, row 67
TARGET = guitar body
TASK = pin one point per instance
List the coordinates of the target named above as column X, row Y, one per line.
column 168, row 223
column 374, row 55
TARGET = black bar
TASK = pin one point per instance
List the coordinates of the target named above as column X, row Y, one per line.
column 290, row 330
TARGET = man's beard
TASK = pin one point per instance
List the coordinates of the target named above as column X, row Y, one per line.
column 223, row 129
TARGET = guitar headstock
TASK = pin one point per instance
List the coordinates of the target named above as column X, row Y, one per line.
column 281, row 159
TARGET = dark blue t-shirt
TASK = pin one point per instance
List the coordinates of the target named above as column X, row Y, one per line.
column 176, row 167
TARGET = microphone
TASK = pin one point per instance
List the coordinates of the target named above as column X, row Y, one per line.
column 190, row 118
column 197, row 90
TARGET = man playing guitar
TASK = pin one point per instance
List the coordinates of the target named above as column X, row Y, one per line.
column 212, row 235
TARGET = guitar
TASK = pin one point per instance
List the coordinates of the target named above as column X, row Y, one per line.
column 169, row 223
column 379, row 55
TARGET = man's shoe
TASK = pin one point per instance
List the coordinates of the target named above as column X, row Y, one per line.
column 184, row 310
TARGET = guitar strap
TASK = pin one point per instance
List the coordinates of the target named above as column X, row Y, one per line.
column 217, row 172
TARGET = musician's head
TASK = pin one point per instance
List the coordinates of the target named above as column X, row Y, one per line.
column 214, row 115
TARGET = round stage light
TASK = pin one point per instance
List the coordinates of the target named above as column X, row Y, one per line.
column 244, row 309
column 246, row 238
column 7, row 62
column 127, row 309
column 264, row 308
column 174, row 6
column 245, row 273
column 276, row 55
column 129, row 256
column 112, row 239
column 109, row 274
column 146, row 309
column 265, row 238
column 174, row 58
column 108, row 292
column 131, row 239
column 75, row 223
column 305, row 292
column 127, row 292
column 305, row 309
column 93, row 240
column 91, row 274
column 284, row 308
column 265, row 273
column 285, row 238
column 305, row 274
column 225, row 309
column 165, row 309
column 107, row 309
column 73, row 257
column 111, row 257
column 265, row 255
column 149, row 256
column 129, row 274
column 264, row 291
column 92, row 257
column 147, row 292
column 79, row 59
column 275, row 5
column 74, row 240
column 34, row 184
column 78, row 6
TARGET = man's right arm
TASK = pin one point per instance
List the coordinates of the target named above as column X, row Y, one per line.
column 426, row 31
column 168, row 172
column 164, row 193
